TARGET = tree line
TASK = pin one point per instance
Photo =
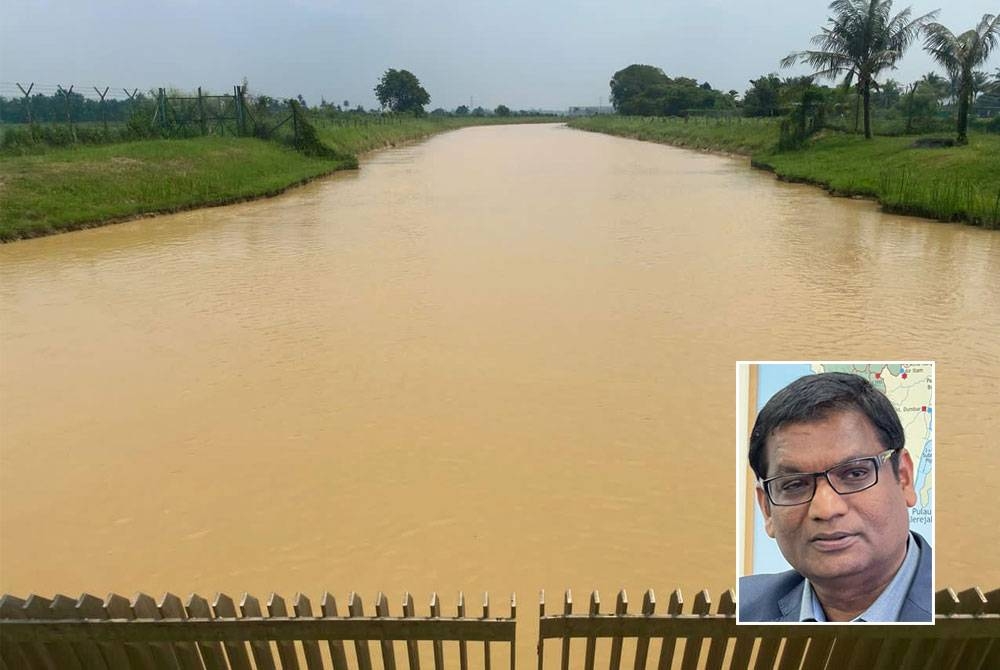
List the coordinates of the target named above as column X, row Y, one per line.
column 861, row 40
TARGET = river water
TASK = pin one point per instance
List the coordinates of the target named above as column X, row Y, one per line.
column 501, row 359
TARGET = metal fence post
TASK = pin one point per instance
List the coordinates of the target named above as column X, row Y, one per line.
column 162, row 103
column 27, row 99
column 201, row 113
column 104, row 115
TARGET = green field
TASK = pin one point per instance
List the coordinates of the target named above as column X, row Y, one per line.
column 80, row 187
column 56, row 190
column 950, row 184
column 736, row 135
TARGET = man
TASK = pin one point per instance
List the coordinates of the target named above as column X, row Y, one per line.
column 834, row 484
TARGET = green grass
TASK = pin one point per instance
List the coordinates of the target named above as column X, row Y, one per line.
column 736, row 135
column 949, row 184
column 56, row 190
column 79, row 187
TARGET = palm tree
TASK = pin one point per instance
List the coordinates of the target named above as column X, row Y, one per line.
column 960, row 55
column 861, row 40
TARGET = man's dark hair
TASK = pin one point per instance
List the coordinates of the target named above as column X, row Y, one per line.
column 814, row 398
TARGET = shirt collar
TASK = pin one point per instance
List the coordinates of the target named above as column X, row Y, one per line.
column 885, row 608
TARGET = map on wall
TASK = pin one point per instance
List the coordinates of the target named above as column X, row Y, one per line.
column 910, row 389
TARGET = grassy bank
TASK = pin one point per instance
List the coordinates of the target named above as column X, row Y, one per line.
column 949, row 184
column 83, row 186
column 736, row 135
column 80, row 187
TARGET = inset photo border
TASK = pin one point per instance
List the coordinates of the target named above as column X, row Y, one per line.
column 778, row 593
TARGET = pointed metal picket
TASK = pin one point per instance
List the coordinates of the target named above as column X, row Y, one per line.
column 412, row 650
column 355, row 609
column 437, row 645
column 621, row 609
column 642, row 643
column 261, row 649
column 338, row 656
column 591, row 648
column 463, row 648
column 310, row 648
column 388, row 653
column 276, row 608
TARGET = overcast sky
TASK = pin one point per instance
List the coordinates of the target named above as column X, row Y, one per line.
column 523, row 54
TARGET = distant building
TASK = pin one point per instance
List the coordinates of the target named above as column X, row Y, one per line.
column 589, row 111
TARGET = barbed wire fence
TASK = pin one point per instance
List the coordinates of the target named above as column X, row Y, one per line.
column 33, row 102
column 60, row 114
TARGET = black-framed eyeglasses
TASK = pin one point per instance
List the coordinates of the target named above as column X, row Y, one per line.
column 848, row 477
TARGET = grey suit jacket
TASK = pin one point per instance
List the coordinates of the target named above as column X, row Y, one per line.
column 778, row 597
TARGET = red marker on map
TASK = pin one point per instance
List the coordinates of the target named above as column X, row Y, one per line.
column 878, row 375
column 903, row 375
column 923, row 408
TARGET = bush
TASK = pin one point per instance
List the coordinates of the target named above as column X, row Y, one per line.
column 306, row 139
column 806, row 119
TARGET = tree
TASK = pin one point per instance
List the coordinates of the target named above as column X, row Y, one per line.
column 889, row 94
column 632, row 88
column 934, row 84
column 862, row 39
column 400, row 91
column 644, row 90
column 763, row 96
column 960, row 55
column 923, row 100
column 502, row 110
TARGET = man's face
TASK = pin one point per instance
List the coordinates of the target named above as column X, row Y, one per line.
column 859, row 538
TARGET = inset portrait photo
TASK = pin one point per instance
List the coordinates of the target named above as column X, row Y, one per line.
column 834, row 482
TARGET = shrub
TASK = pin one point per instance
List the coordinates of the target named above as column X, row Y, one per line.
column 803, row 121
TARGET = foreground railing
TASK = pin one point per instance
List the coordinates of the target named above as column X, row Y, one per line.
column 965, row 634
column 117, row 633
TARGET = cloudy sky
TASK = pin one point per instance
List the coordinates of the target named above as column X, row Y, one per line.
column 523, row 54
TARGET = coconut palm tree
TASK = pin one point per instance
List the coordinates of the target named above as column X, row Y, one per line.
column 960, row 56
column 861, row 40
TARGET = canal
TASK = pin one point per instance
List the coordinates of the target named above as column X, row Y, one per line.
column 499, row 359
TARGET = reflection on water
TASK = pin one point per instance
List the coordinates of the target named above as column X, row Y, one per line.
column 502, row 359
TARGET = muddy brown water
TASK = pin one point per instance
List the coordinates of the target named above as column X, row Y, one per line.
column 501, row 359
